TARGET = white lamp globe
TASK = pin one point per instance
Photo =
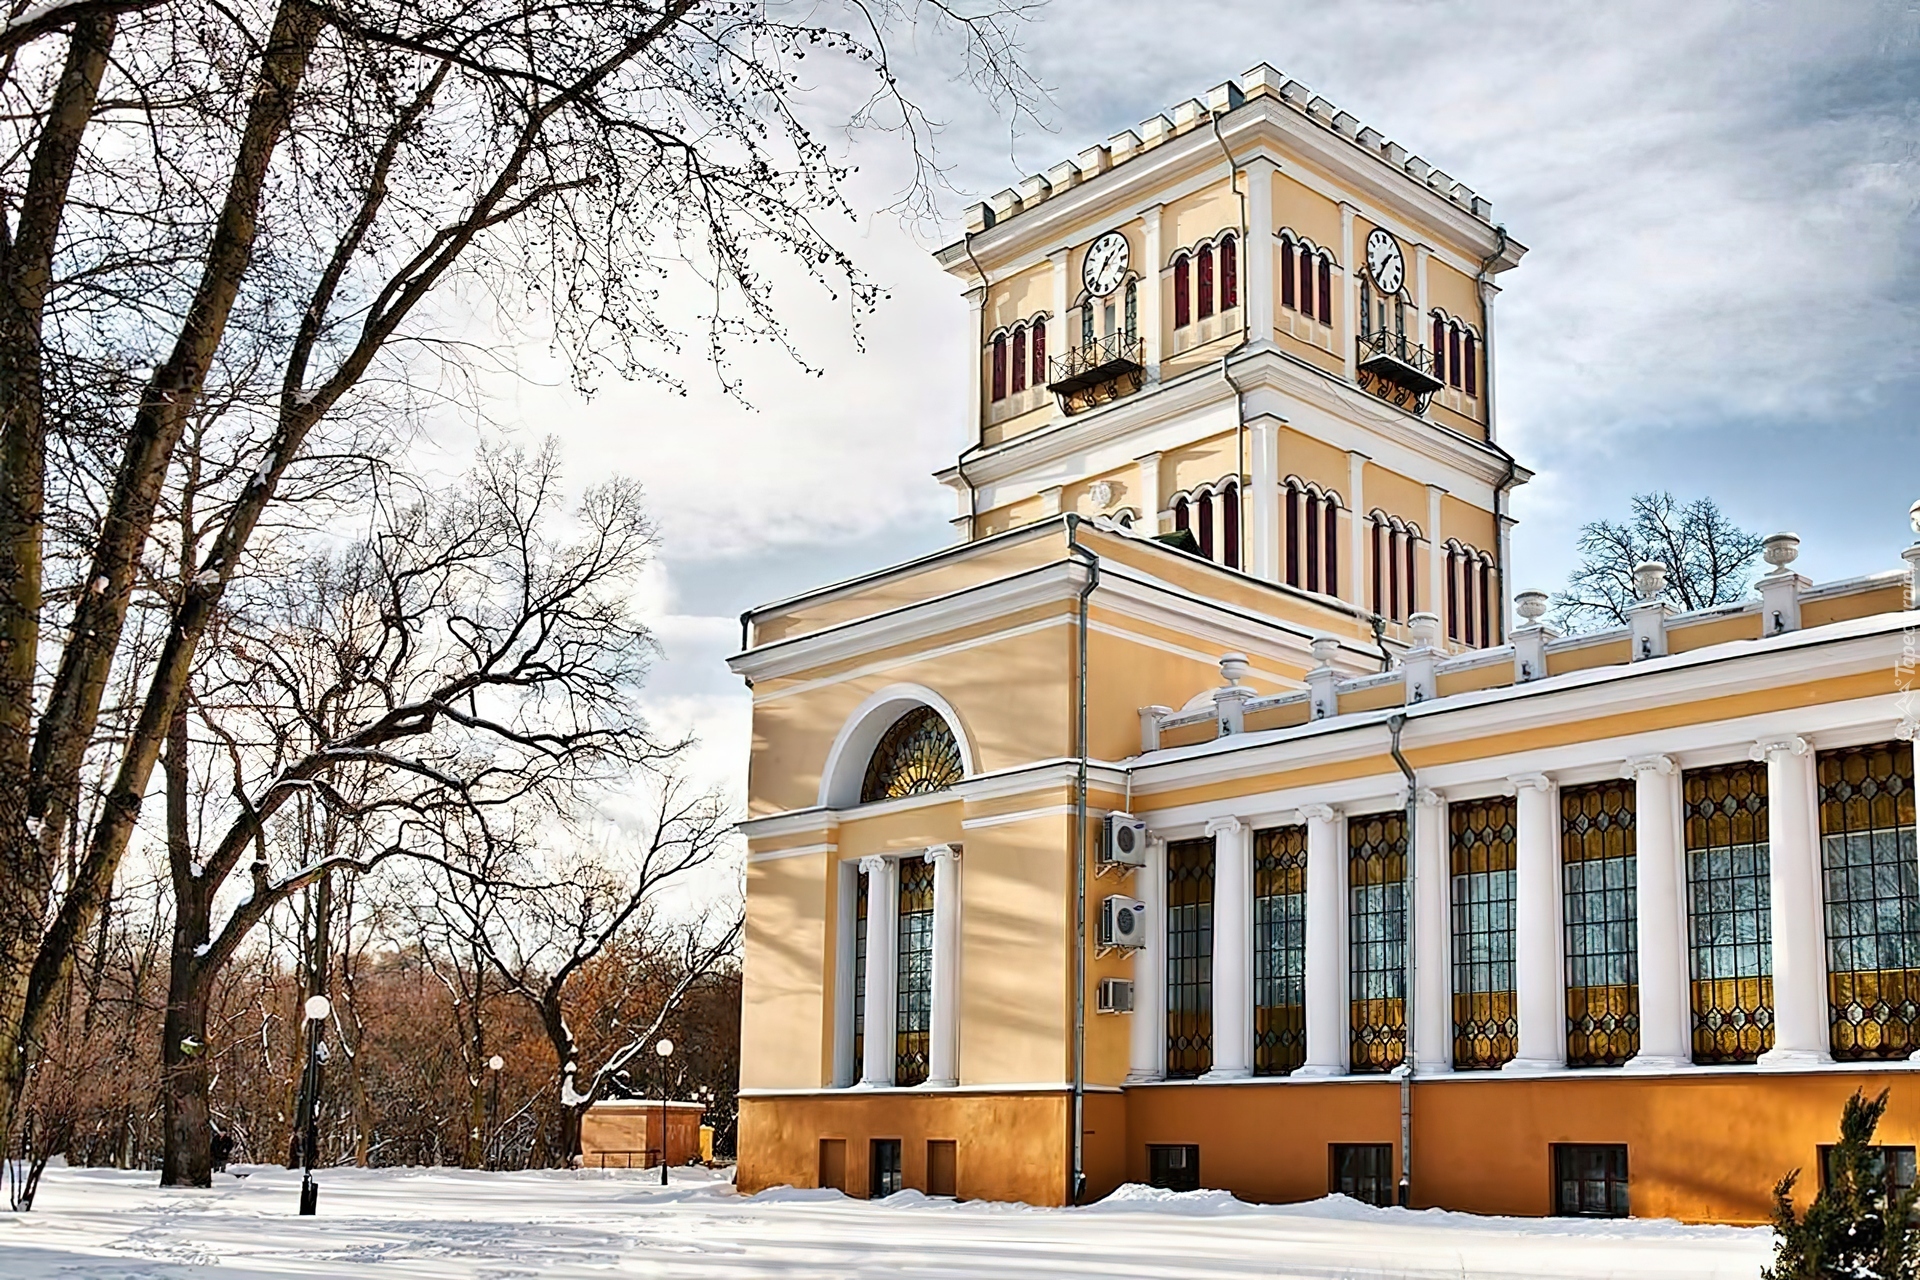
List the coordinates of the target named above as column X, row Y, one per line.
column 318, row 1008
column 664, row 1048
column 496, row 1062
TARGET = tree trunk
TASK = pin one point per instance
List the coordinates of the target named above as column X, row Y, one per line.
column 185, row 1079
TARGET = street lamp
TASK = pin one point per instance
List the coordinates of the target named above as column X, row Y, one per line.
column 664, row 1048
column 493, row 1101
column 318, row 1010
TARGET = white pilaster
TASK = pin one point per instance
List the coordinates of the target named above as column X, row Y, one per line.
column 1147, row 1036
column 1433, row 937
column 883, row 909
column 846, row 907
column 1148, row 479
column 1355, row 584
column 1344, row 327
column 1232, row 949
column 976, row 391
column 1256, row 288
column 1263, row 560
column 1436, row 560
column 1058, row 330
column 1326, row 941
column 943, row 1031
column 1660, row 923
column 1420, row 256
column 1152, row 260
column 1541, row 995
column 1793, row 862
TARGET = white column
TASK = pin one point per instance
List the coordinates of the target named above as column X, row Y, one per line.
column 1149, row 268
column 1326, row 941
column 1232, row 949
column 1799, row 942
column 1432, row 937
column 1660, row 917
column 1541, row 997
column 1148, row 478
column 1147, row 1036
column 1256, row 288
column 1355, row 583
column 943, row 1031
column 847, row 905
column 1436, row 601
column 1344, row 327
column 1263, row 493
column 883, row 909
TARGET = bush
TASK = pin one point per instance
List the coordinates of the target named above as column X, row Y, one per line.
column 1858, row 1227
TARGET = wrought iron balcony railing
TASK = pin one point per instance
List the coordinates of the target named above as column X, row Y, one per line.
column 1390, row 356
column 1104, row 360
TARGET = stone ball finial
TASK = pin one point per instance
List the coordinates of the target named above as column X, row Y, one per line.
column 1324, row 647
column 1425, row 628
column 1913, row 518
column 1649, row 579
column 1531, row 605
column 1781, row 550
column 1234, row 667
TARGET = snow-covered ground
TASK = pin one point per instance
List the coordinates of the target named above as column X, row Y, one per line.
column 92, row 1224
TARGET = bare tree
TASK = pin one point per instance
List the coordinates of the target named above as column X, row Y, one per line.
column 271, row 194
column 1709, row 560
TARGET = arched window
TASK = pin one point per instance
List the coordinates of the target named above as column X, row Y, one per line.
column 1379, row 532
column 1133, row 310
column 1230, row 525
column 1182, row 517
column 1486, row 600
column 1453, row 591
column 1330, row 548
column 1295, row 496
column 1182, row 292
column 1468, row 378
column 1229, row 274
column 1000, row 367
column 1306, row 283
column 1287, row 295
column 1412, row 552
column 1453, row 357
column 1326, row 290
column 1039, row 353
column 1439, row 348
column 1366, row 305
column 1314, row 517
column 1019, row 360
column 1086, row 324
column 916, row 755
column 1203, row 516
column 1206, row 281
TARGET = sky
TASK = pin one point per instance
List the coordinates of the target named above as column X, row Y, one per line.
column 1720, row 296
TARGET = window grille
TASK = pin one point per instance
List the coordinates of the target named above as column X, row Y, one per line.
column 1377, row 933
column 1279, row 950
column 1486, row 1024
column 860, row 975
column 1182, row 291
column 915, row 756
column 1189, row 958
column 1229, row 274
column 1040, row 353
column 1365, row 1171
column 1867, row 856
column 913, row 1002
column 1597, row 826
column 1728, row 912
column 1590, row 1180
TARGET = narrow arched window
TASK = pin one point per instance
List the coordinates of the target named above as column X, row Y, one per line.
column 1294, row 497
column 1313, row 541
column 1366, row 306
column 1086, row 324
column 1439, row 348
column 1182, row 517
column 1019, row 361
column 1182, row 292
column 1413, row 562
column 1203, row 516
column 1453, row 357
column 1453, row 593
column 1287, row 296
column 1229, row 274
column 1306, row 283
column 1399, row 320
column 1486, row 601
column 1466, row 601
column 916, row 755
column 1206, row 281
column 1039, row 353
column 1330, row 576
column 1230, row 525
column 1396, row 538
column 1000, row 367
column 1468, row 378
column 1133, row 311
column 1326, row 290
column 1379, row 567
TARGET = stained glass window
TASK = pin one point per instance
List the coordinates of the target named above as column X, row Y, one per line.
column 915, row 756
column 913, row 990
column 1486, row 1024
column 860, row 975
column 1873, row 900
column 1603, row 984
column 1279, row 950
column 1189, row 958
column 1377, row 940
column 1728, row 903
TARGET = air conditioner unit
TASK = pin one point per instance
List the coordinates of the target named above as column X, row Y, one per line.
column 1116, row 995
column 1123, row 922
column 1123, row 843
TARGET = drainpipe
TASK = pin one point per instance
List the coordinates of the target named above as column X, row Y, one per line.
column 1077, row 1184
column 1239, row 399
column 1484, row 282
column 1395, row 723
column 980, row 427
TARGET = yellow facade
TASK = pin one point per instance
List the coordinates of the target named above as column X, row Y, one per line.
column 1127, row 629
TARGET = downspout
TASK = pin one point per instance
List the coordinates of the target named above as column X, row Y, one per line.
column 1484, row 282
column 980, row 427
column 1077, row 1183
column 1239, row 399
column 1395, row 723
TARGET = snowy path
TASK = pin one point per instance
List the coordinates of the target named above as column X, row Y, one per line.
column 92, row 1224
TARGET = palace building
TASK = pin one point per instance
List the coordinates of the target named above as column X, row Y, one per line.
column 1213, row 814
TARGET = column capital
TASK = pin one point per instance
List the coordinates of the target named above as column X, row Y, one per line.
column 1224, row 825
column 874, row 863
column 1427, row 797
column 1908, row 730
column 1767, row 748
column 1320, row 812
column 1637, row 765
column 942, row 853
column 1530, row 782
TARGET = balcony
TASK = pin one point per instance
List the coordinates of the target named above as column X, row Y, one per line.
column 1094, row 372
column 1398, row 370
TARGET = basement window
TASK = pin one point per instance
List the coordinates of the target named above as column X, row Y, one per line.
column 1173, row 1166
column 1590, row 1181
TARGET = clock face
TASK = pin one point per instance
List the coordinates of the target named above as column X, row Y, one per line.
column 1389, row 269
column 1106, row 264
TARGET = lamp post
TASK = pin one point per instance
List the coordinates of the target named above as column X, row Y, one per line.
column 493, row 1103
column 318, row 1010
column 663, row 1048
